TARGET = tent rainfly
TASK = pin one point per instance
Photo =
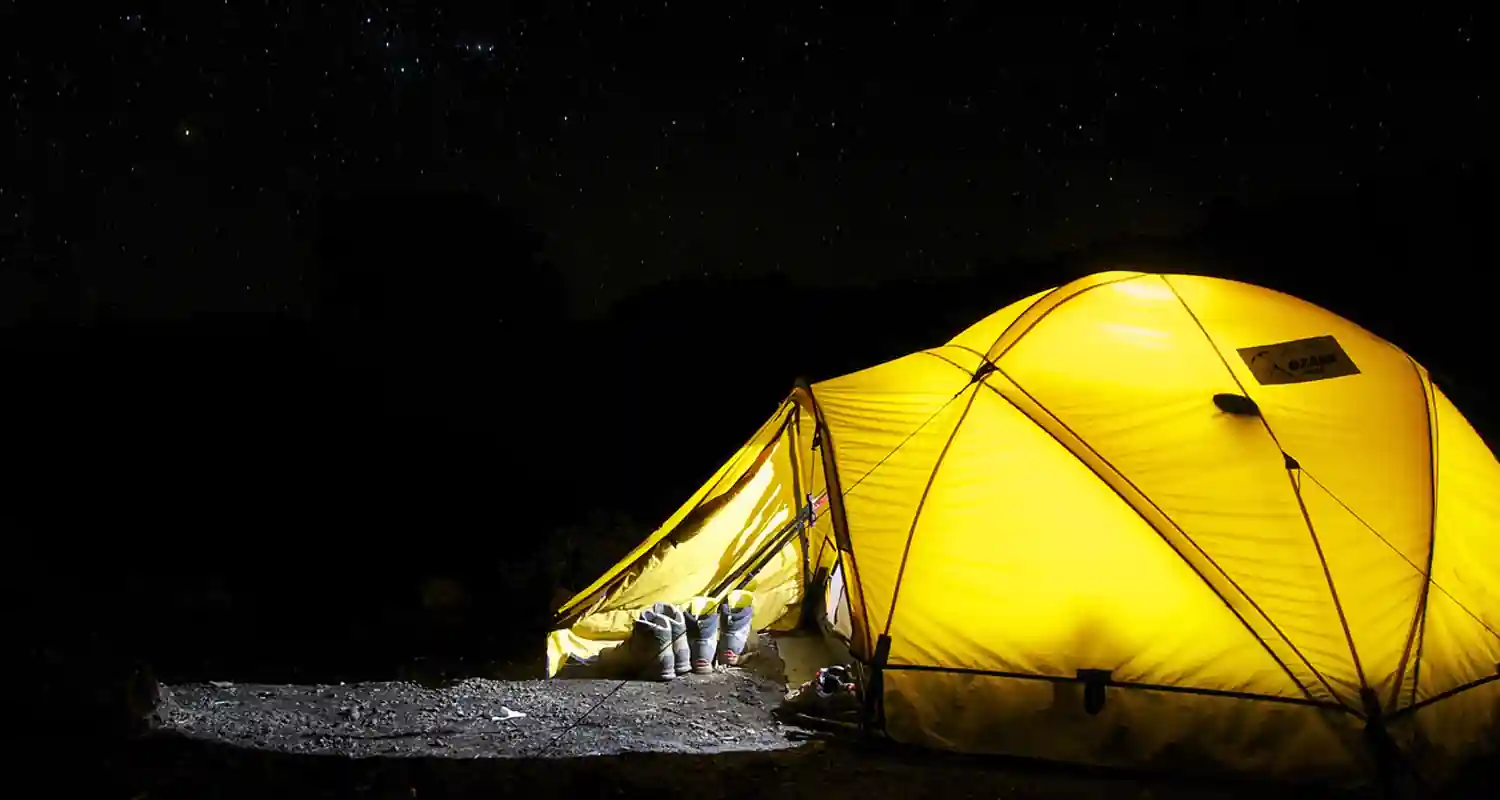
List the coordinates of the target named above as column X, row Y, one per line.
column 1134, row 520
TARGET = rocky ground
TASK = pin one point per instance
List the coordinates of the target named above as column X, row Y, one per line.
column 722, row 712
column 703, row 737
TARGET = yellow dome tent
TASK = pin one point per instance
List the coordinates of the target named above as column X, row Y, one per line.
column 1137, row 519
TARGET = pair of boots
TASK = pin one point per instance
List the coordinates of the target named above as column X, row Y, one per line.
column 672, row 642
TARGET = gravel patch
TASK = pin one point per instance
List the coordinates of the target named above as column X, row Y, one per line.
column 477, row 718
column 703, row 737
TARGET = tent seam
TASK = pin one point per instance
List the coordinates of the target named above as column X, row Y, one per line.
column 1020, row 316
column 794, row 433
column 1426, row 576
column 1434, row 436
column 964, row 348
column 903, row 442
column 1441, row 696
column 949, row 361
column 1248, row 629
column 1333, row 593
column 916, row 516
column 1059, row 304
column 1128, row 504
column 1420, row 612
column 838, row 517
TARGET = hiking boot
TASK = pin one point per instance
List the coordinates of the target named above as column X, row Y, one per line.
column 738, row 611
column 703, row 633
column 681, row 656
column 652, row 640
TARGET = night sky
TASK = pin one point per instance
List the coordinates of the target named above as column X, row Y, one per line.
column 671, row 140
column 331, row 274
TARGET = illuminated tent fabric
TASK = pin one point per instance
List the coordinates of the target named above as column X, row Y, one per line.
column 759, row 523
column 1137, row 519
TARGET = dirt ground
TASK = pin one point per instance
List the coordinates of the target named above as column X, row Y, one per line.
column 703, row 737
column 722, row 712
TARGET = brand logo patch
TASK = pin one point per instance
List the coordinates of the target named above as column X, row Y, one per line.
column 1300, row 361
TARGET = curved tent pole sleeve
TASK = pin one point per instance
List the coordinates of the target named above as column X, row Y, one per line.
column 862, row 649
column 1418, row 631
column 794, row 453
column 799, row 489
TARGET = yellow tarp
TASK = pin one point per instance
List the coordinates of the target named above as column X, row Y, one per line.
column 1070, row 484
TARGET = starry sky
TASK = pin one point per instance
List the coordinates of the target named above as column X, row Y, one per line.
column 173, row 162
column 525, row 231
column 465, row 178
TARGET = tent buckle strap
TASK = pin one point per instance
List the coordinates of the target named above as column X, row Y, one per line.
column 1094, row 681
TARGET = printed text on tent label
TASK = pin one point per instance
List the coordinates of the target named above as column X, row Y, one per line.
column 1300, row 361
